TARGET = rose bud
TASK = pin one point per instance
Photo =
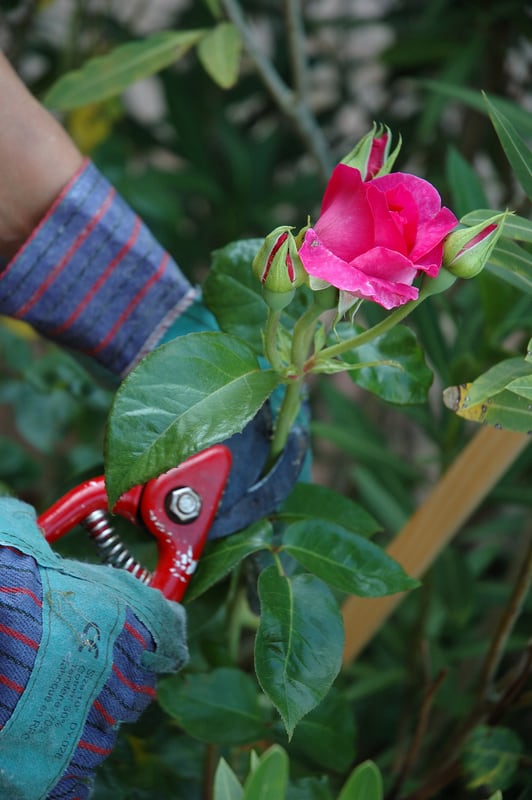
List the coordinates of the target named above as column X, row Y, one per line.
column 371, row 156
column 278, row 267
column 467, row 250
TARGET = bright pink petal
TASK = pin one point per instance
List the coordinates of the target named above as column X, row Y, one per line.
column 321, row 263
column 345, row 225
column 373, row 238
column 431, row 262
column 344, row 179
column 432, row 233
column 386, row 264
column 403, row 207
column 478, row 238
column 376, row 156
column 385, row 294
column 427, row 199
column 387, row 226
column 390, row 295
column 386, row 282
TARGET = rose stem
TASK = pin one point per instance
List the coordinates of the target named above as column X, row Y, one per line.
column 291, row 105
column 366, row 336
column 296, row 39
column 270, row 340
column 431, row 286
column 301, row 342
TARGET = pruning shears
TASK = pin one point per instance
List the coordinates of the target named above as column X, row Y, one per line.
column 212, row 494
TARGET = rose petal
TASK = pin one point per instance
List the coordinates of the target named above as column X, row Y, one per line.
column 376, row 156
column 427, row 199
column 345, row 225
column 376, row 286
column 388, row 229
column 431, row 262
column 374, row 237
column 478, row 238
column 386, row 295
column 433, row 232
column 386, row 264
column 321, row 263
column 403, row 207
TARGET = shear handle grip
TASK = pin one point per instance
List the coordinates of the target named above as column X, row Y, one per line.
column 76, row 505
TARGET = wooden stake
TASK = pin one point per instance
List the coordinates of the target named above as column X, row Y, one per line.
column 458, row 493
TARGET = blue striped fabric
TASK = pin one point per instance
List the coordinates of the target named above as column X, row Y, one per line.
column 91, row 277
column 20, row 626
column 128, row 690
column 94, row 278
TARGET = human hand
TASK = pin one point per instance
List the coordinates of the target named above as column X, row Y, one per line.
column 37, row 159
column 80, row 647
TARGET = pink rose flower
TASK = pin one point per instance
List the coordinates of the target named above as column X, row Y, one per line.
column 373, row 238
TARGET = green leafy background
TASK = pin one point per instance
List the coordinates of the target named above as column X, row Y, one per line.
column 218, row 162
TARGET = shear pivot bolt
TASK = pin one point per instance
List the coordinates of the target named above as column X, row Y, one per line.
column 184, row 504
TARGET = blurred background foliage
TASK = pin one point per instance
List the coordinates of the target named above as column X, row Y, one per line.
column 204, row 166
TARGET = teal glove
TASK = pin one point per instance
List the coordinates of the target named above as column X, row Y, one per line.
column 80, row 647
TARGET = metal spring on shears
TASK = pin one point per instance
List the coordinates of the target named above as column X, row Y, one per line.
column 111, row 548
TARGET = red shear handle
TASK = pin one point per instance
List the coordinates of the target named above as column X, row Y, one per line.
column 178, row 508
column 75, row 506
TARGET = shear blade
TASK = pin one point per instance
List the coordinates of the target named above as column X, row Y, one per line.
column 266, row 494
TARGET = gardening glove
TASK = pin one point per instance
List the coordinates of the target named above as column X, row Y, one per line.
column 80, row 648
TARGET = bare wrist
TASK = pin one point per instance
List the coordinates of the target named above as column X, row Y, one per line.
column 37, row 159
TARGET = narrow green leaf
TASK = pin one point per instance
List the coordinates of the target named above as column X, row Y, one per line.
column 299, row 644
column 214, row 7
column 219, row 52
column 519, row 117
column 219, row 707
column 254, row 761
column 365, row 446
column 453, row 584
column 513, row 264
column 491, row 757
column 344, row 560
column 513, row 227
column 226, row 784
column 221, row 557
column 269, row 779
column 367, row 682
column 455, row 70
column 108, row 75
column 504, row 410
column 388, row 501
column 364, row 783
column 520, row 282
column 407, row 381
column 466, row 187
column 436, row 345
column 313, row 502
column 516, row 149
column 522, row 386
column 185, row 396
column 495, row 380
